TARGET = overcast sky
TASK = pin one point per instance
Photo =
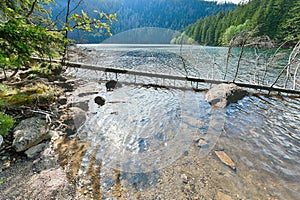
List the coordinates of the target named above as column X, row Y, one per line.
column 233, row 1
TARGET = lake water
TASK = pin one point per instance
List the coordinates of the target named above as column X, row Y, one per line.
column 159, row 143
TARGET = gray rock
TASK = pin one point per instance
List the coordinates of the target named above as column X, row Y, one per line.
column 84, row 105
column 29, row 133
column 35, row 150
column 1, row 140
column 223, row 94
column 62, row 100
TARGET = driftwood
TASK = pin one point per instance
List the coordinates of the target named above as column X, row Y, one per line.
column 172, row 77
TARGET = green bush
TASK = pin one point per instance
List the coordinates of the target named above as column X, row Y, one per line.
column 6, row 123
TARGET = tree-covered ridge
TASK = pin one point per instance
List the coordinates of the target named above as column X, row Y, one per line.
column 170, row 14
column 278, row 20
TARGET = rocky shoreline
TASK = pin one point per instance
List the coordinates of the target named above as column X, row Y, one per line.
column 40, row 161
column 29, row 164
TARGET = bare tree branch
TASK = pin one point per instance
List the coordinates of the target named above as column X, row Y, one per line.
column 227, row 58
column 240, row 58
column 77, row 5
column 271, row 60
column 295, row 76
column 32, row 8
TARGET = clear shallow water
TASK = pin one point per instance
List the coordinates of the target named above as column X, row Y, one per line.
column 152, row 135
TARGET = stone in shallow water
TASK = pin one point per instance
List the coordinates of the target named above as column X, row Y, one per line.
column 253, row 133
column 79, row 116
column 99, row 100
column 223, row 196
column 225, row 159
column 112, row 84
column 29, row 133
column 223, row 94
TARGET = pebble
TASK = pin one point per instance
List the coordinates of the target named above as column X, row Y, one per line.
column 253, row 133
column 6, row 164
column 184, row 178
column 202, row 143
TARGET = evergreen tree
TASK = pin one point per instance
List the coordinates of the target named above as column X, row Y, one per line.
column 290, row 27
column 278, row 19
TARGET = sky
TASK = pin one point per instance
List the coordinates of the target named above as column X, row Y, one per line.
column 232, row 1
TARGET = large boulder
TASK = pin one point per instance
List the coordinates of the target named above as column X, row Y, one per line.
column 223, row 94
column 29, row 133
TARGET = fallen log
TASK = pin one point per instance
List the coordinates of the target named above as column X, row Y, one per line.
column 172, row 77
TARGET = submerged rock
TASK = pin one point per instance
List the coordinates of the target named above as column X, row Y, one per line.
column 29, row 133
column 225, row 159
column 223, row 94
column 223, row 196
column 112, row 84
column 79, row 116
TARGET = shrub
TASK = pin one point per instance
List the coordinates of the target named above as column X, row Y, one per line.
column 6, row 123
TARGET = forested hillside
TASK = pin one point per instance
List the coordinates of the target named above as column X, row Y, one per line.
column 277, row 19
column 171, row 14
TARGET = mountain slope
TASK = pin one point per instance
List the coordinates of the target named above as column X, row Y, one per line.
column 277, row 19
column 171, row 14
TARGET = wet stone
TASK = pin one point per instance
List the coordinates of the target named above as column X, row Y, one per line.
column 112, row 84
column 99, row 100
column 223, row 94
column 84, row 105
column 202, row 143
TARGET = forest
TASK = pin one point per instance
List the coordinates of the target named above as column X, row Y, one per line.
column 278, row 20
column 170, row 14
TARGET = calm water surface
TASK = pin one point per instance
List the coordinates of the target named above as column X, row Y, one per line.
column 162, row 141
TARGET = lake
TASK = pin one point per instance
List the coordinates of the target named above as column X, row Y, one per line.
column 151, row 142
